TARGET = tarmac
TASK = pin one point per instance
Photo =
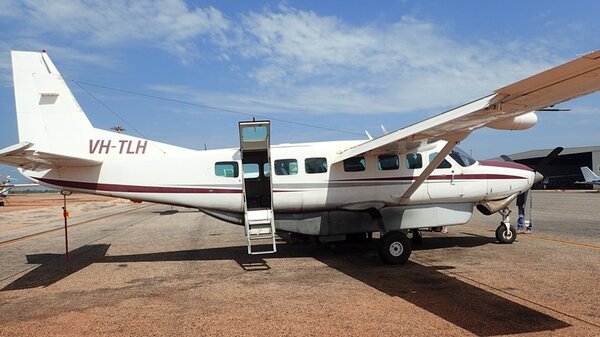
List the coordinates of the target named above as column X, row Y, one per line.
column 156, row 270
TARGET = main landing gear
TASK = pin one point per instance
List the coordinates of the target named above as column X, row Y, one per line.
column 506, row 233
column 395, row 247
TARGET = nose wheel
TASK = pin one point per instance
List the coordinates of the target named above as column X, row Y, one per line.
column 506, row 233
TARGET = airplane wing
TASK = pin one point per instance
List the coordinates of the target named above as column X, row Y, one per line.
column 564, row 82
column 20, row 155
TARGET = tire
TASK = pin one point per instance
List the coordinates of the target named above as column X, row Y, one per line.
column 503, row 236
column 395, row 248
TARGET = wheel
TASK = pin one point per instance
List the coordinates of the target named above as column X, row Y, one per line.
column 395, row 248
column 1, row 203
column 504, row 236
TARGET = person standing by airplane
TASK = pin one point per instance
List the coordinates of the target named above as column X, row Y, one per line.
column 521, row 200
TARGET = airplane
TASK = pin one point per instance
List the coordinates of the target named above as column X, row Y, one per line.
column 6, row 186
column 411, row 178
column 590, row 177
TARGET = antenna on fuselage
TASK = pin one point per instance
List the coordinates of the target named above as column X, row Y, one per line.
column 369, row 135
column 385, row 131
column 118, row 129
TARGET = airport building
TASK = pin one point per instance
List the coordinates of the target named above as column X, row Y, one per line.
column 564, row 170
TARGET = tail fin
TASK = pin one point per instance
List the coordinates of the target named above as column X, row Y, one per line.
column 48, row 114
column 589, row 175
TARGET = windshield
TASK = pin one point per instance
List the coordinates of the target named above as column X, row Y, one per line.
column 461, row 157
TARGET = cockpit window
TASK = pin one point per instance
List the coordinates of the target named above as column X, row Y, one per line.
column 443, row 165
column 461, row 157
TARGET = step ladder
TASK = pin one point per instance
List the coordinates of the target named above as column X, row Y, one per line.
column 260, row 230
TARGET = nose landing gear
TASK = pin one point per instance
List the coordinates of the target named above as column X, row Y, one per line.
column 506, row 233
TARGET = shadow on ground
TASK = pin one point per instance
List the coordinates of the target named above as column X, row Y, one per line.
column 474, row 309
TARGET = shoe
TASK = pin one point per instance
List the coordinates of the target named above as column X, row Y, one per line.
column 528, row 230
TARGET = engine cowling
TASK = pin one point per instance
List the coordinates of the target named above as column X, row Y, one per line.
column 522, row 122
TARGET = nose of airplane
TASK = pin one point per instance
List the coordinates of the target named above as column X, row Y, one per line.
column 538, row 177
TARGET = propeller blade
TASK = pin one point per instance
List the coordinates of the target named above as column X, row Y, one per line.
column 550, row 157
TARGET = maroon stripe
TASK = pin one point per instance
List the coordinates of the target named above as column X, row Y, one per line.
column 475, row 177
column 134, row 188
column 507, row 164
column 442, row 177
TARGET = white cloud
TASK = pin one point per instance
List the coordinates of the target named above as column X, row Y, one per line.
column 169, row 24
column 322, row 62
column 300, row 61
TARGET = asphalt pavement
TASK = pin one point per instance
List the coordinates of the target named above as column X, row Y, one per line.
column 158, row 270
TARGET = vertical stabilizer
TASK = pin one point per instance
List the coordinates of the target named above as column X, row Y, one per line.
column 589, row 175
column 48, row 114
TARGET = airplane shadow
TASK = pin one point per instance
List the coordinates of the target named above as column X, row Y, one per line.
column 479, row 311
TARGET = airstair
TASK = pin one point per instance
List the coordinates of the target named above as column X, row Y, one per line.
column 259, row 219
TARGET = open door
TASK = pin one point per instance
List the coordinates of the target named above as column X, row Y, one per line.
column 257, row 186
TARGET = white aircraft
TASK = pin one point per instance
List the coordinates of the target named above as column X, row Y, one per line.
column 589, row 176
column 6, row 186
column 411, row 178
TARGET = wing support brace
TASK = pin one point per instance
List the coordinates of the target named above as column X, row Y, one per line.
column 404, row 198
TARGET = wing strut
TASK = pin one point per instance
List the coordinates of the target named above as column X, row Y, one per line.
column 404, row 198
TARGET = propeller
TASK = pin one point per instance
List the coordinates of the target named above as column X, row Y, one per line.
column 539, row 168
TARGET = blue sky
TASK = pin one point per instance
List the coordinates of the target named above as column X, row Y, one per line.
column 344, row 65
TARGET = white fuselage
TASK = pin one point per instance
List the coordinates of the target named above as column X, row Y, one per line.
column 171, row 175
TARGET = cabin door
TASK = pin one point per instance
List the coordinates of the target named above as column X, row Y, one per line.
column 257, row 186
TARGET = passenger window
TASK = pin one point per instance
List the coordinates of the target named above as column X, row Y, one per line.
column 286, row 167
column 227, row 169
column 315, row 165
column 414, row 161
column 355, row 164
column 251, row 170
column 388, row 162
column 443, row 165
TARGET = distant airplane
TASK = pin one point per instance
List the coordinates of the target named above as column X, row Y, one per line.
column 6, row 186
column 589, row 176
column 411, row 178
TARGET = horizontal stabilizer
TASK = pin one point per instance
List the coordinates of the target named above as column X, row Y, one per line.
column 21, row 156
